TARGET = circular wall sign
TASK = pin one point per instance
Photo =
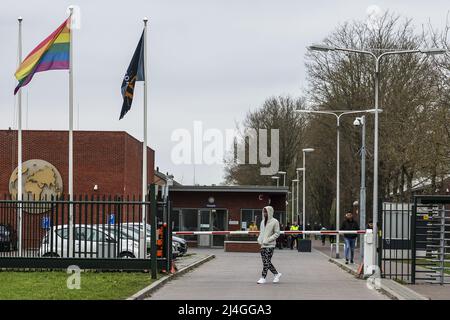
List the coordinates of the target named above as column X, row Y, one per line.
column 40, row 181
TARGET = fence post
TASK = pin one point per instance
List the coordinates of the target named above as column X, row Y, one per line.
column 413, row 241
column 169, row 233
column 379, row 236
column 153, row 223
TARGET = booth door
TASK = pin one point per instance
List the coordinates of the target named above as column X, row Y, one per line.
column 204, row 240
column 219, row 221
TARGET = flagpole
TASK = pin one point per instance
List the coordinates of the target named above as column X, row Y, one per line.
column 19, row 147
column 144, row 149
column 71, row 134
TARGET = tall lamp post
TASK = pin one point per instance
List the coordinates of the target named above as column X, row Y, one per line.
column 338, row 114
column 305, row 151
column 278, row 180
column 298, row 170
column 293, row 200
column 430, row 51
column 361, row 121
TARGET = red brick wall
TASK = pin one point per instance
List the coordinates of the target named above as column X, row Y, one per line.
column 112, row 160
column 233, row 201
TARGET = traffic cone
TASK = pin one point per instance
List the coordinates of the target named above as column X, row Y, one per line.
column 360, row 270
column 173, row 268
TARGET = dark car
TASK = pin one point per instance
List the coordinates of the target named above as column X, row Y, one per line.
column 8, row 238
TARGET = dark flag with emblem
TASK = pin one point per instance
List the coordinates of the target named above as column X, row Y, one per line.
column 135, row 72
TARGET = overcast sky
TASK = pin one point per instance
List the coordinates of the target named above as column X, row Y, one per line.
column 209, row 60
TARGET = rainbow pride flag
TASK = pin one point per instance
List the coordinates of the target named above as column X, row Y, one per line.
column 51, row 54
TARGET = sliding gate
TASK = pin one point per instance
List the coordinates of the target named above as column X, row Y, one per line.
column 414, row 240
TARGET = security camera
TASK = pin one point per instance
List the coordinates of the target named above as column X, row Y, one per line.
column 358, row 121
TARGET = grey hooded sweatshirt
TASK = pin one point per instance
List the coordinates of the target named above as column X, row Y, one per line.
column 269, row 233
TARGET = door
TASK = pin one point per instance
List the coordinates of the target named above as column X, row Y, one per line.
column 204, row 225
column 218, row 223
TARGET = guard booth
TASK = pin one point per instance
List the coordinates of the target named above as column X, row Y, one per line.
column 413, row 243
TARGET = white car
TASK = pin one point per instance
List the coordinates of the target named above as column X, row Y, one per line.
column 96, row 241
column 179, row 245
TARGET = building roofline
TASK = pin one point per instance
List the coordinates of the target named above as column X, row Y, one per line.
column 265, row 189
column 120, row 132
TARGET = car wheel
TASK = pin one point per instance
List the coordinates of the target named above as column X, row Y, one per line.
column 126, row 255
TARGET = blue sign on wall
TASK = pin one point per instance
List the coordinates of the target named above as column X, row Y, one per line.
column 112, row 218
column 45, row 222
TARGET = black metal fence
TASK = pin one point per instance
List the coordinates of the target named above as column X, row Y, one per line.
column 99, row 232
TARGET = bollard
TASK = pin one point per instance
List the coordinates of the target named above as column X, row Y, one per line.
column 369, row 246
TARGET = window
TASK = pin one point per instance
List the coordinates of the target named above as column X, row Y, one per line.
column 189, row 219
column 255, row 215
column 250, row 215
column 175, row 216
column 63, row 233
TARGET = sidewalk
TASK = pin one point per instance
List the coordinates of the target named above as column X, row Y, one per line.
column 183, row 265
column 233, row 275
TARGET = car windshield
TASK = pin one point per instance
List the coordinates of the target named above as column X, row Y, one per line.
column 126, row 233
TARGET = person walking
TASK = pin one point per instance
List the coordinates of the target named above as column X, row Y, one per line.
column 323, row 237
column 269, row 232
column 349, row 224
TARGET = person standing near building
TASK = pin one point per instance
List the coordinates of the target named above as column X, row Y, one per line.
column 294, row 237
column 269, row 232
column 253, row 226
column 350, row 239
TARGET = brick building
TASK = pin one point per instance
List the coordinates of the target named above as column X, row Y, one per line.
column 109, row 160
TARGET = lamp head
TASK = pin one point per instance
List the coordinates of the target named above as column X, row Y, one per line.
column 433, row 51
column 308, row 150
column 321, row 47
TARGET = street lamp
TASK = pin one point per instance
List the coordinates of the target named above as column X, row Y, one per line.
column 293, row 200
column 338, row 114
column 306, row 150
column 278, row 180
column 428, row 51
column 298, row 187
column 361, row 122
column 283, row 173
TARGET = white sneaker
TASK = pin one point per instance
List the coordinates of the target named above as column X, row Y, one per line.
column 261, row 281
column 277, row 278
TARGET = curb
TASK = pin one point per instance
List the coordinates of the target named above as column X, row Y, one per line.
column 140, row 295
column 389, row 287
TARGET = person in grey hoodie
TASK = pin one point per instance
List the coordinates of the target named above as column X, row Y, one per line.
column 268, row 234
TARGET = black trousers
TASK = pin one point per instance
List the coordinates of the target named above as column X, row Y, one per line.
column 266, row 256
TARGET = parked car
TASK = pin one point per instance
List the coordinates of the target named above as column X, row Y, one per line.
column 180, row 244
column 95, row 241
column 133, row 233
column 8, row 238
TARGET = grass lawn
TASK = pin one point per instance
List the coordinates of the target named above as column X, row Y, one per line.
column 52, row 285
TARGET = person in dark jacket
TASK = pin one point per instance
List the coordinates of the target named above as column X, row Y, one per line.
column 350, row 239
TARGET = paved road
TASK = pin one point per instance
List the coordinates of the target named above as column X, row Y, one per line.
column 233, row 276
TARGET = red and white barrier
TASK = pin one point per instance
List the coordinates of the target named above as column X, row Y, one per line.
column 324, row 232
